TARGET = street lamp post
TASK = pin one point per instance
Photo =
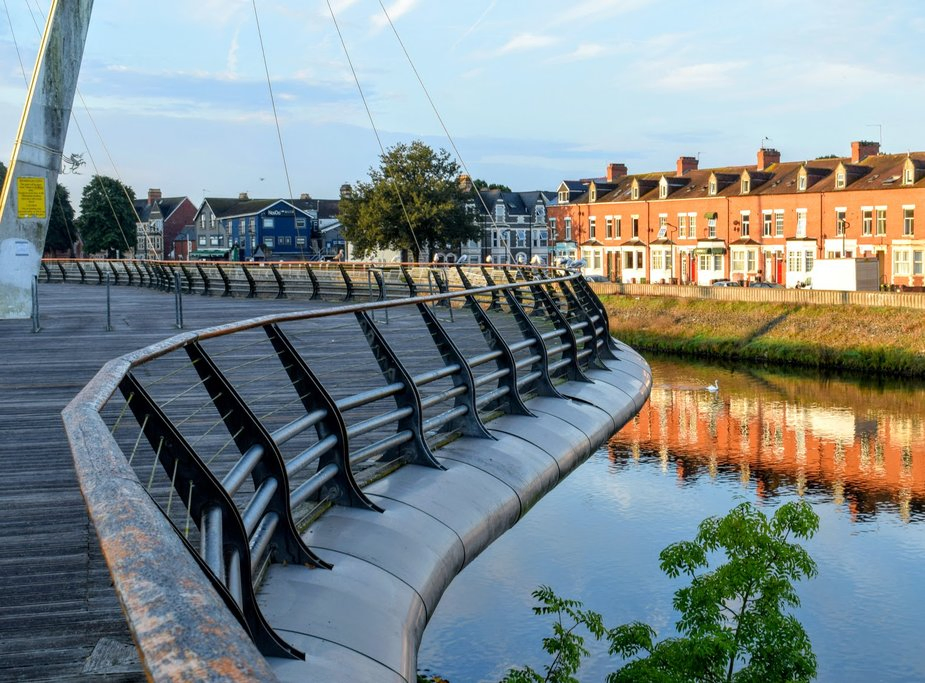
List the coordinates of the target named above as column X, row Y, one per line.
column 844, row 233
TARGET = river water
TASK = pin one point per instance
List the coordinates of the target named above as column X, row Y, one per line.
column 855, row 449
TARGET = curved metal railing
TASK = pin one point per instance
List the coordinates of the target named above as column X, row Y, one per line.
column 205, row 457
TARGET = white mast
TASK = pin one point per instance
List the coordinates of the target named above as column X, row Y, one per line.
column 29, row 188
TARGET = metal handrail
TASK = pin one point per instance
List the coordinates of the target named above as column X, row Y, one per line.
column 242, row 527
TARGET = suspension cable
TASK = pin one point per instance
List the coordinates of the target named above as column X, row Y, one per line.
column 369, row 114
column 446, row 131
column 279, row 134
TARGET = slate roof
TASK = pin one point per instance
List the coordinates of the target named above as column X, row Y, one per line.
column 877, row 172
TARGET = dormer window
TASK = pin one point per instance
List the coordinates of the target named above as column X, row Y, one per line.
column 712, row 189
column 801, row 181
column 663, row 188
column 840, row 180
column 634, row 193
column 563, row 196
column 746, row 185
column 592, row 193
column 909, row 173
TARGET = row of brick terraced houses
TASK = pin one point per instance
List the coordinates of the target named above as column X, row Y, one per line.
column 770, row 221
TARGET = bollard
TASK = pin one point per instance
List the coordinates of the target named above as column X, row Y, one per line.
column 36, row 326
column 178, row 299
column 108, row 305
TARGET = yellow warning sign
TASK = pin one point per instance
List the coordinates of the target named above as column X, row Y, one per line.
column 30, row 193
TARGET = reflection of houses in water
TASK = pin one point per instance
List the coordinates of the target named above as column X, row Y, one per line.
column 863, row 460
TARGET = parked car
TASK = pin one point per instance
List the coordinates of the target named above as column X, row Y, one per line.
column 726, row 283
column 767, row 285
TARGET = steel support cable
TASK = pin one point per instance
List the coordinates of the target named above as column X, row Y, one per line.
column 446, row 131
column 279, row 133
column 372, row 122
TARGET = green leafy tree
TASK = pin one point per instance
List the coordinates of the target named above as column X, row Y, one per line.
column 482, row 185
column 734, row 625
column 61, row 230
column 410, row 202
column 107, row 217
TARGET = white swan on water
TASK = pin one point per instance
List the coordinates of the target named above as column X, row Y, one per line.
column 713, row 388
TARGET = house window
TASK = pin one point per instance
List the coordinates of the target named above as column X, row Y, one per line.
column 839, row 222
column 908, row 175
column 635, row 192
column 717, row 262
column 269, row 241
column 881, row 220
column 908, row 221
column 917, row 266
column 840, row 180
column 544, row 237
column 267, row 223
column 738, row 260
column 608, row 227
column 711, row 228
column 202, row 240
column 635, row 227
column 779, row 223
column 746, row 185
column 682, row 225
column 617, row 225
column 215, row 240
column 663, row 189
column 712, row 187
column 592, row 193
column 793, row 261
column 766, row 224
column 284, row 241
column 658, row 259
column 592, row 227
column 662, row 223
column 552, row 225
column 627, row 259
column 300, row 241
column 746, row 224
column 692, row 224
column 808, row 258
column 521, row 239
column 563, row 197
column 568, row 228
column 901, row 262
column 801, row 182
column 300, row 223
column 499, row 211
column 801, row 223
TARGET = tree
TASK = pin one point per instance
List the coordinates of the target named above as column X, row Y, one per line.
column 410, row 202
column 107, row 216
column 61, row 233
column 733, row 624
column 480, row 184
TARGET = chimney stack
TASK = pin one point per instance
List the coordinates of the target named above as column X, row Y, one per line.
column 615, row 171
column 861, row 149
column 767, row 157
column 154, row 195
column 686, row 164
column 242, row 196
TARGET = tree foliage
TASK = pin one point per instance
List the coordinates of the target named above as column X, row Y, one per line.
column 480, row 184
column 62, row 232
column 734, row 624
column 412, row 201
column 107, row 217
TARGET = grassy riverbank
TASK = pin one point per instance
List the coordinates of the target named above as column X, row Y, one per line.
column 856, row 338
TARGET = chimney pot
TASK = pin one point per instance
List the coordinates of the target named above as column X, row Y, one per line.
column 767, row 157
column 861, row 149
column 615, row 171
column 686, row 164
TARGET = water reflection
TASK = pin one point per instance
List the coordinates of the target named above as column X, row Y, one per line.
column 859, row 445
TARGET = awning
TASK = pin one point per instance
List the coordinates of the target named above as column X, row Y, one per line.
column 710, row 250
column 709, row 214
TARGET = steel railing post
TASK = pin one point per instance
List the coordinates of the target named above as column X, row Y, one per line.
column 178, row 298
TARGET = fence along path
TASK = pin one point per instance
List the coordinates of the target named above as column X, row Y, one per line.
column 241, row 442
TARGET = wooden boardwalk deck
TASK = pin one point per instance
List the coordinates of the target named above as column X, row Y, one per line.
column 56, row 602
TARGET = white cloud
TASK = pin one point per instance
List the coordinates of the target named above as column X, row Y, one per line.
column 526, row 41
column 600, row 8
column 584, row 51
column 398, row 9
column 697, row 76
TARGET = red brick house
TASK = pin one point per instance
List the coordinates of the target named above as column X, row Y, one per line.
column 770, row 220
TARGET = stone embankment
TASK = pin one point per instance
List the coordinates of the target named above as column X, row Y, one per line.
column 872, row 340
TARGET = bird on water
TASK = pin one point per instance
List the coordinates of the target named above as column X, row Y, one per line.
column 713, row 388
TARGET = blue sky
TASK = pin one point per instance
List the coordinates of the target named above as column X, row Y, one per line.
column 532, row 91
